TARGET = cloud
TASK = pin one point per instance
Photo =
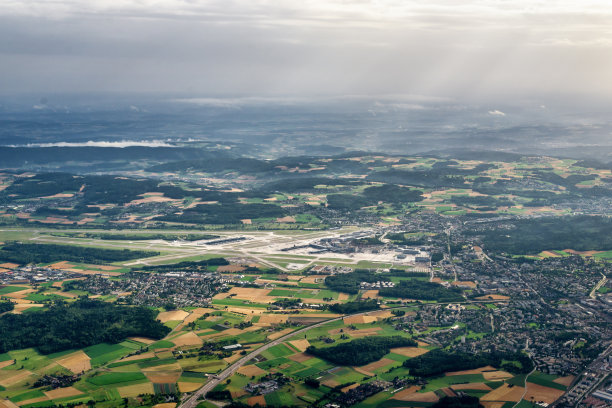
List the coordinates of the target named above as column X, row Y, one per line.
column 229, row 48
column 496, row 113
column 118, row 144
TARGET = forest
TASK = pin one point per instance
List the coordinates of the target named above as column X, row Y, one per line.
column 360, row 351
column 354, row 307
column 6, row 306
column 80, row 324
column 418, row 289
column 534, row 235
column 201, row 266
column 439, row 361
column 42, row 253
column 349, row 282
column 228, row 213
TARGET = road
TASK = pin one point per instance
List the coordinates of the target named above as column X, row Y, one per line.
column 525, row 384
column 193, row 401
column 599, row 284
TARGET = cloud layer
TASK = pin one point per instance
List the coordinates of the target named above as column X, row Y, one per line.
column 476, row 49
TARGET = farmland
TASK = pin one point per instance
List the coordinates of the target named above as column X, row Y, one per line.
column 409, row 279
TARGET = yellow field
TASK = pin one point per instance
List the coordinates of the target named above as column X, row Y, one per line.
column 492, row 404
column 496, row 375
column 231, row 359
column 370, row 294
column 313, row 279
column 9, row 378
column 246, row 311
column 405, row 393
column 409, row 351
column 420, row 397
column 34, row 400
column 162, row 378
column 252, row 294
column 9, row 265
column 273, row 319
column 505, row 393
column 188, row 339
column 279, row 334
column 300, row 344
column 136, row 390
column 474, row 371
column 76, row 362
column 540, row 393
column 194, row 315
column 62, row 392
column 251, row 371
column 7, row 404
column 188, row 386
column 359, row 319
column 172, row 315
column 493, row 297
column 370, row 368
column 567, row 381
column 275, row 282
column 6, row 363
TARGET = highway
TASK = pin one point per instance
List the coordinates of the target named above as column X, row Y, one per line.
column 193, row 400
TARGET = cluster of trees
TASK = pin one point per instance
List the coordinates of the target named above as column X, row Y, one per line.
column 389, row 193
column 360, row 351
column 439, row 361
column 483, row 203
column 401, row 238
column 219, row 395
column 349, row 282
column 226, row 213
column 187, row 265
column 347, row 202
column 143, row 237
column 417, row 289
column 354, row 307
column 24, row 253
column 80, row 324
column 531, row 236
column 392, row 193
column 43, row 185
column 6, row 306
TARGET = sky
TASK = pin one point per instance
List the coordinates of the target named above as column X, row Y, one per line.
column 479, row 49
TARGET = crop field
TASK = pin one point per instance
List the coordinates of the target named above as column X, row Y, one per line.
column 246, row 315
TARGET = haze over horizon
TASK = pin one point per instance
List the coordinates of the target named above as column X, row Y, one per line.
column 479, row 50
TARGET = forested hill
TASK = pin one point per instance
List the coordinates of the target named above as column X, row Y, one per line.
column 81, row 324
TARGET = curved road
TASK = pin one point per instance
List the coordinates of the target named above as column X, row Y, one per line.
column 193, row 400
